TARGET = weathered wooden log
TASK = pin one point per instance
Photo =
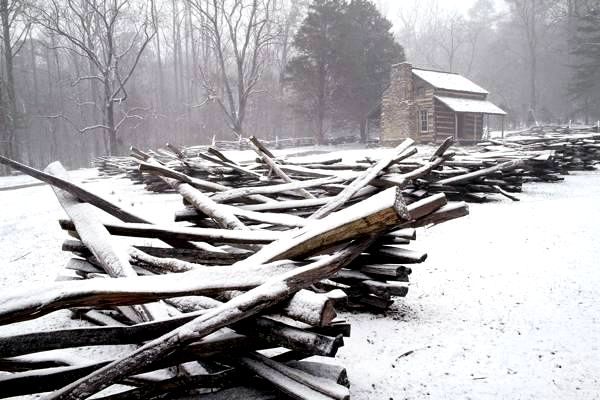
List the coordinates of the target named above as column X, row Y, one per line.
column 282, row 335
column 87, row 196
column 111, row 256
column 267, row 157
column 237, row 309
column 361, row 181
column 443, row 214
column 327, row 370
column 315, row 309
column 508, row 165
column 191, row 214
column 197, row 256
column 384, row 289
column 399, row 254
column 273, row 189
column 386, row 270
column 160, row 170
column 21, row 304
column 15, row 345
column 311, row 308
column 43, row 380
column 230, row 164
column 197, row 234
column 294, row 382
column 202, row 202
column 372, row 216
column 264, row 329
column 174, row 386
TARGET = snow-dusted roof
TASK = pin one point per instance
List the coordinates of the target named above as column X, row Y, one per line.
column 448, row 81
column 470, row 105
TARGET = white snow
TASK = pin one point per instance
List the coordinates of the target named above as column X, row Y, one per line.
column 470, row 105
column 448, row 81
column 505, row 307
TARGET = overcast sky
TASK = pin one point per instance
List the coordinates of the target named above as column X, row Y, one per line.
column 390, row 7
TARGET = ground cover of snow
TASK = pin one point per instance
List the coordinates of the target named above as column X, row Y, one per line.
column 505, row 307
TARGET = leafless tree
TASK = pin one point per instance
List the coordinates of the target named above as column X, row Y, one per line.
column 112, row 35
column 15, row 27
column 238, row 32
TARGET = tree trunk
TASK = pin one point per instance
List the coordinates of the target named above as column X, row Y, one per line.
column 11, row 109
column 112, row 131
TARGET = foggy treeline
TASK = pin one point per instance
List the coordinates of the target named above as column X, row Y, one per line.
column 81, row 78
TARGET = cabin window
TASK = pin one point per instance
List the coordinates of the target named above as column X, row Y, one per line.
column 421, row 92
column 424, row 120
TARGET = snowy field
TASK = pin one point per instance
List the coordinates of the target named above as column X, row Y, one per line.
column 507, row 305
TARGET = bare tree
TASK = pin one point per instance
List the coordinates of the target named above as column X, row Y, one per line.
column 111, row 35
column 238, row 31
column 531, row 17
column 15, row 28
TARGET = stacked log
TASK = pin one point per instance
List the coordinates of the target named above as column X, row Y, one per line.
column 572, row 149
column 238, row 302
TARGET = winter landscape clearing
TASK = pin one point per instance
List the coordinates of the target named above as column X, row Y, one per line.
column 505, row 306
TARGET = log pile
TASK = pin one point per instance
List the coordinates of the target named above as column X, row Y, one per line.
column 571, row 149
column 239, row 300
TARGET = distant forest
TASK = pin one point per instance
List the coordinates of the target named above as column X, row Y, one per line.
column 82, row 78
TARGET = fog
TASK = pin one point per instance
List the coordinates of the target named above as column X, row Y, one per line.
column 91, row 77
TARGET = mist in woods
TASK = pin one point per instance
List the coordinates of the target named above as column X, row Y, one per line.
column 82, row 78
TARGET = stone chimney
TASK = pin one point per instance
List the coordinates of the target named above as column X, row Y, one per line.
column 399, row 117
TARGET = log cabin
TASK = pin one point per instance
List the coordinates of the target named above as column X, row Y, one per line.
column 428, row 106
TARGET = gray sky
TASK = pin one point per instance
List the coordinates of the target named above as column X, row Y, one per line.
column 390, row 7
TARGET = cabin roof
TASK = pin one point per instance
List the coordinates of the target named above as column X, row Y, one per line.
column 471, row 105
column 448, row 81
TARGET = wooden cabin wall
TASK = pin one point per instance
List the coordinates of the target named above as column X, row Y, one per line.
column 444, row 120
column 424, row 102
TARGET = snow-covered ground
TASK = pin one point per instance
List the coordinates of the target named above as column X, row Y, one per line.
column 507, row 305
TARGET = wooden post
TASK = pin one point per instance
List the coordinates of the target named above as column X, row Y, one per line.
column 455, row 126
column 503, row 128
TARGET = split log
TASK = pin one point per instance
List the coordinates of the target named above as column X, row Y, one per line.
column 267, row 157
column 295, row 383
column 273, row 189
column 327, row 370
column 191, row 214
column 21, row 304
column 508, row 165
column 174, row 386
column 264, row 329
column 237, row 309
column 173, row 231
column 112, row 256
column 197, row 256
column 361, row 181
column 85, row 195
column 374, row 215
